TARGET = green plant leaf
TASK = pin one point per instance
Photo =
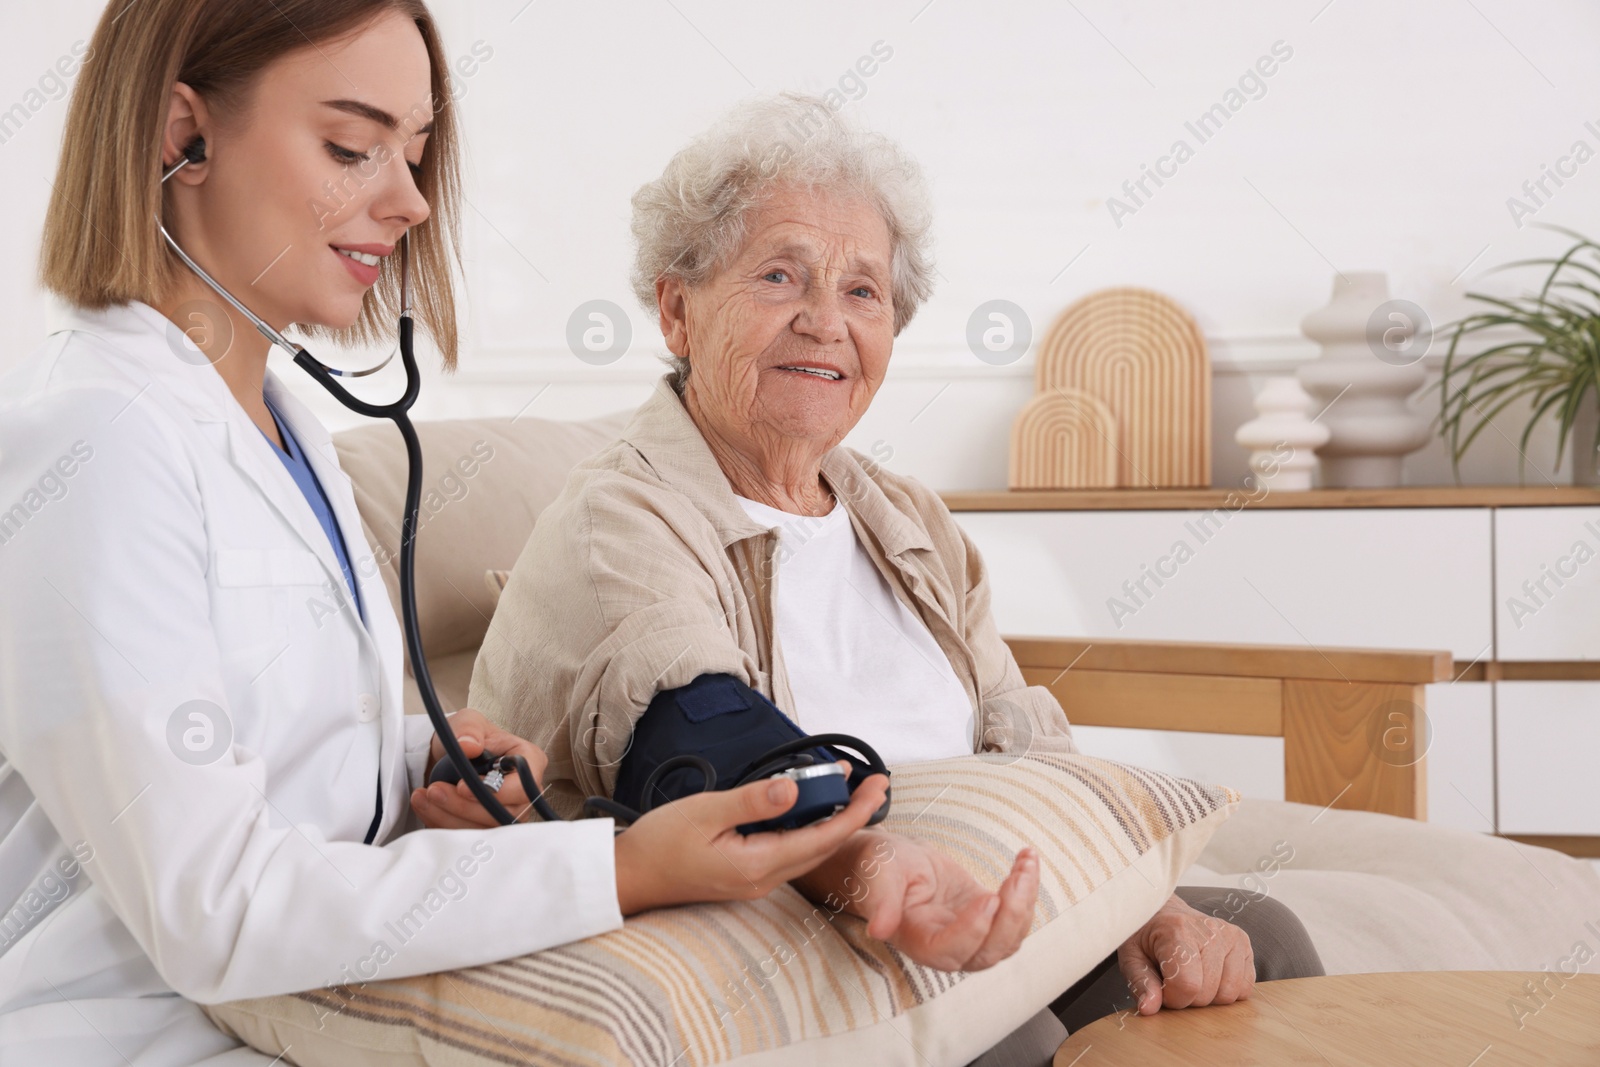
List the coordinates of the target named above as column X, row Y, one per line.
column 1554, row 364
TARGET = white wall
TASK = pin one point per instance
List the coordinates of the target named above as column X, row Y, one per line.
column 1390, row 139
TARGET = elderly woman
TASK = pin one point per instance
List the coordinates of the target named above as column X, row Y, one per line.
column 728, row 532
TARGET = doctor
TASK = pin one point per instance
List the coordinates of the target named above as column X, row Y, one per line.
column 202, row 771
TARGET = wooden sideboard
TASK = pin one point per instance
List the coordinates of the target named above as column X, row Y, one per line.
column 1507, row 578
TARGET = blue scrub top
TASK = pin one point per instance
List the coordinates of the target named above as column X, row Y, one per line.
column 294, row 458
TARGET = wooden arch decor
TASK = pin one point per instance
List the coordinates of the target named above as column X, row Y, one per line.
column 1065, row 437
column 1145, row 358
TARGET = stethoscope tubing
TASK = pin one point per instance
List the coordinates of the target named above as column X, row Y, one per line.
column 398, row 412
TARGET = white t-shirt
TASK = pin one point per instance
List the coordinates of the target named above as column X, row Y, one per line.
column 859, row 661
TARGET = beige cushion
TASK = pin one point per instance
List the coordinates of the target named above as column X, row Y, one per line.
column 1377, row 893
column 774, row 981
column 495, row 582
column 485, row 482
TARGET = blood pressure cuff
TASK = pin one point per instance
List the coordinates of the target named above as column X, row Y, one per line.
column 723, row 721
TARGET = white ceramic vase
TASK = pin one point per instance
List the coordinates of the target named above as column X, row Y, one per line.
column 1371, row 427
column 1282, row 438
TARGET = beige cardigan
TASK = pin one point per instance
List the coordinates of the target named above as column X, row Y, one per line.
column 645, row 573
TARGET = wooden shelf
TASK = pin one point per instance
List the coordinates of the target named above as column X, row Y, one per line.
column 1583, row 846
column 1527, row 671
column 1422, row 496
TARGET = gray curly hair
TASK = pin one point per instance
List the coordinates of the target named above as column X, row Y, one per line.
column 690, row 221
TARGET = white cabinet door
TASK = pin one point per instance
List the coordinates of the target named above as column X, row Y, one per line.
column 1547, row 583
column 1548, row 737
column 1416, row 578
column 1460, row 767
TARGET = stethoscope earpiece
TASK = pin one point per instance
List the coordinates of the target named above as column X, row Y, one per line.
column 194, row 153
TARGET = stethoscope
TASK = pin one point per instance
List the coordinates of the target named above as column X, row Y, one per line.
column 483, row 788
column 790, row 759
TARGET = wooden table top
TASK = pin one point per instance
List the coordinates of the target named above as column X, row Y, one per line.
column 1455, row 1018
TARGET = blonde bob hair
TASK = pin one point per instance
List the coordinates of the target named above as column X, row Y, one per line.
column 100, row 244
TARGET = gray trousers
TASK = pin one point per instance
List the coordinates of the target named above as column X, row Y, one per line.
column 1277, row 938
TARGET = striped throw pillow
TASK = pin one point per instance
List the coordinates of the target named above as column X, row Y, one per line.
column 781, row 980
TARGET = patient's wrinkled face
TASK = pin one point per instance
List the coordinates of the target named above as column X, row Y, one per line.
column 791, row 338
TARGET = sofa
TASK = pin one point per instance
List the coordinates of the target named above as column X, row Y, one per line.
column 1376, row 886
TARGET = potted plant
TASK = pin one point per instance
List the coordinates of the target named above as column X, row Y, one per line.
column 1552, row 359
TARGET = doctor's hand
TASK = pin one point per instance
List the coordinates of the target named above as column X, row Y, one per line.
column 689, row 850
column 924, row 903
column 443, row 806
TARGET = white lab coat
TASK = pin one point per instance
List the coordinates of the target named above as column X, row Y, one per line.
column 157, row 562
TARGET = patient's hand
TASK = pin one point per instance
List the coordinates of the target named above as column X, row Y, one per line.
column 1184, row 958
column 925, row 904
column 442, row 806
